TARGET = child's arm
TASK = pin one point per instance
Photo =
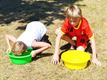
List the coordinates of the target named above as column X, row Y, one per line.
column 55, row 59
column 8, row 39
column 94, row 57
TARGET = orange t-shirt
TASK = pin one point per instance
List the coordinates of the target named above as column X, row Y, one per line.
column 82, row 30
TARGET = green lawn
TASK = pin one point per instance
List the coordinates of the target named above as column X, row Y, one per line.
column 50, row 12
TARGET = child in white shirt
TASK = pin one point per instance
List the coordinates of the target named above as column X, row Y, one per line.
column 31, row 37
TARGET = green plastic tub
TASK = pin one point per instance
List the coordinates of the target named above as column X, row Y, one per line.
column 23, row 59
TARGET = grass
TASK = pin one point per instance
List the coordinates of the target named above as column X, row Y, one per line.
column 42, row 69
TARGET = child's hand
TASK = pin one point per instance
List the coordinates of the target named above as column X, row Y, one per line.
column 55, row 59
column 95, row 61
column 8, row 50
column 33, row 53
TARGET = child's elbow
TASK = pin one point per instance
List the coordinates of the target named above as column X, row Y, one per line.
column 6, row 35
column 48, row 46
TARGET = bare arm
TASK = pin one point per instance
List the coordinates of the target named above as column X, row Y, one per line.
column 94, row 55
column 55, row 58
column 57, row 43
column 10, row 38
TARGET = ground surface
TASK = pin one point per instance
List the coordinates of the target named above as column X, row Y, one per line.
column 17, row 13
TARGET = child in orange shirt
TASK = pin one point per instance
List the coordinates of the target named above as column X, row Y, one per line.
column 75, row 25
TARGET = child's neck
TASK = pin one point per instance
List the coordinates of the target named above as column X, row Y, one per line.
column 78, row 25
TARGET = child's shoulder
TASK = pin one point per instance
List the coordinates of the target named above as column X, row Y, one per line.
column 85, row 23
column 84, row 19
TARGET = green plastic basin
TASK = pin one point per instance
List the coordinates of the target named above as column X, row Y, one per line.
column 23, row 59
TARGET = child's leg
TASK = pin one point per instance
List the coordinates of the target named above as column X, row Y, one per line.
column 82, row 42
column 42, row 46
column 81, row 48
column 69, row 40
column 65, row 37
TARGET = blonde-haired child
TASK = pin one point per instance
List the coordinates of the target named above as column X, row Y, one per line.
column 31, row 37
column 75, row 25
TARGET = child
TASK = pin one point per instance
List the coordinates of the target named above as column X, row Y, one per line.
column 31, row 37
column 75, row 26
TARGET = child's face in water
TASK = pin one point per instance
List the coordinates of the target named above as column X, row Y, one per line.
column 75, row 21
column 18, row 48
column 18, row 53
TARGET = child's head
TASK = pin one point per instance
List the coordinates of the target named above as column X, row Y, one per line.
column 18, row 48
column 74, row 13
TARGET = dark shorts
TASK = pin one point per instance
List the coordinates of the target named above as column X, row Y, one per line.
column 45, row 38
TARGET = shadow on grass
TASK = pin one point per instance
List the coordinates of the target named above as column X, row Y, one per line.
column 67, row 46
column 41, row 55
column 31, row 10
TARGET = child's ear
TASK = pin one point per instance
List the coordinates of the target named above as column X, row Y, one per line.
column 65, row 11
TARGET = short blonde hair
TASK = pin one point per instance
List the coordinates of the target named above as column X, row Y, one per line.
column 73, row 11
column 18, row 47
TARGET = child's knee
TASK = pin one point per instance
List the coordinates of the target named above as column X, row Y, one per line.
column 81, row 48
column 48, row 45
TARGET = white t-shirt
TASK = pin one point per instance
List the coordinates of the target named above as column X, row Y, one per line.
column 34, row 31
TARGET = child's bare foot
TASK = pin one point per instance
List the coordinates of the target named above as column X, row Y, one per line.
column 72, row 47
